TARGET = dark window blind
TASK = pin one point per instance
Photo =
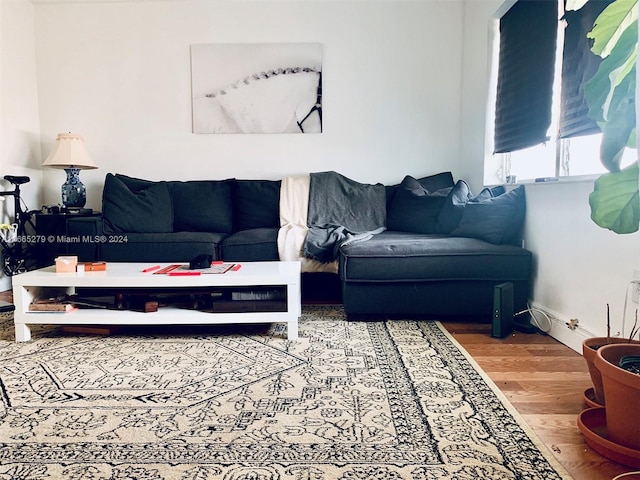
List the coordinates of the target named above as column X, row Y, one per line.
column 525, row 74
column 578, row 66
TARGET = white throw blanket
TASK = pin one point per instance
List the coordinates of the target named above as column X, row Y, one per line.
column 294, row 205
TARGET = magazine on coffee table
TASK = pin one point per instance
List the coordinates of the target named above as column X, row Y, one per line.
column 183, row 269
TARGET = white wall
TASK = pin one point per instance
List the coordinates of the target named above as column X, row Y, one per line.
column 19, row 120
column 119, row 73
column 475, row 88
column 579, row 267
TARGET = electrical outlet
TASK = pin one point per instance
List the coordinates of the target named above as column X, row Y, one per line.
column 635, row 292
column 573, row 323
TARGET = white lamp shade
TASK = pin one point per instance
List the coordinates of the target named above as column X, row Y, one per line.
column 69, row 152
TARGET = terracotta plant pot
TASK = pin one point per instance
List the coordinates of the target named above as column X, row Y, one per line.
column 622, row 393
column 589, row 354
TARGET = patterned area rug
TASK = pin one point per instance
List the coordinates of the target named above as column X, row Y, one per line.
column 348, row 400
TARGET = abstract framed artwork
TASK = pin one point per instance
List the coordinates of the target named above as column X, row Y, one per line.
column 257, row 88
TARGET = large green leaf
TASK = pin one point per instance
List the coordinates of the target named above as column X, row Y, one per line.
column 610, row 95
column 615, row 202
column 616, row 135
column 610, row 24
column 600, row 90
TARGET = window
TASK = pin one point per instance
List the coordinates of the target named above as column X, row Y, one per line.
column 538, row 124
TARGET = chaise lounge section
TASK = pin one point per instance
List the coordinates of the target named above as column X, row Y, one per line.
column 396, row 273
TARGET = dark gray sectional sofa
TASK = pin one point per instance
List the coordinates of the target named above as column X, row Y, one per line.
column 443, row 252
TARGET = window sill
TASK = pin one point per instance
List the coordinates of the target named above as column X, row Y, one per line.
column 552, row 180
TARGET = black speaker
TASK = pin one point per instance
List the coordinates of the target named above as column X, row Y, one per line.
column 502, row 310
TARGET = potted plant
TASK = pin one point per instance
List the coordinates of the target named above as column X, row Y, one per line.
column 590, row 347
column 619, row 366
column 611, row 97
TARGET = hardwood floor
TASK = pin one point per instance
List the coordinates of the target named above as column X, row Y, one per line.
column 544, row 380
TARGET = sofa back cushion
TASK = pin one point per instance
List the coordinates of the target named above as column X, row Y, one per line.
column 202, row 206
column 415, row 208
column 430, row 183
column 496, row 219
column 256, row 204
column 453, row 207
column 145, row 209
column 134, row 184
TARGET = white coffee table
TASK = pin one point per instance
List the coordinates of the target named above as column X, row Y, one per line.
column 29, row 285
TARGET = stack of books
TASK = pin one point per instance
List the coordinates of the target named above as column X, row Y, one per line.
column 51, row 305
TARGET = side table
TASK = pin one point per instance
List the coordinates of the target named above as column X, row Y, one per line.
column 53, row 234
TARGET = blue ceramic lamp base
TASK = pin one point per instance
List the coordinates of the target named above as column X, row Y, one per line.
column 74, row 195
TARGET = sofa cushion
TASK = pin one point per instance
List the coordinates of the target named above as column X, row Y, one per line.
column 134, row 184
column 407, row 257
column 174, row 247
column 437, row 181
column 202, row 206
column 143, row 211
column 453, row 207
column 414, row 208
column 255, row 245
column 430, row 183
column 497, row 220
column 493, row 191
column 256, row 204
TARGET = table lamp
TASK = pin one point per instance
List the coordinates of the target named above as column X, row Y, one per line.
column 70, row 154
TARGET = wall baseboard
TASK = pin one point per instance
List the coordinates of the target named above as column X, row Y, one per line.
column 560, row 330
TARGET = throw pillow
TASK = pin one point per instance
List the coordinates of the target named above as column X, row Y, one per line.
column 415, row 209
column 144, row 211
column 453, row 208
column 497, row 220
column 256, row 204
column 430, row 183
column 437, row 181
column 134, row 184
column 202, row 206
column 489, row 192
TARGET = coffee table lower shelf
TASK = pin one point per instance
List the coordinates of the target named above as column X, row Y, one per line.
column 164, row 316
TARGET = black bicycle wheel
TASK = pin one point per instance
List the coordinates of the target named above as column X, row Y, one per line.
column 25, row 253
column 13, row 261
